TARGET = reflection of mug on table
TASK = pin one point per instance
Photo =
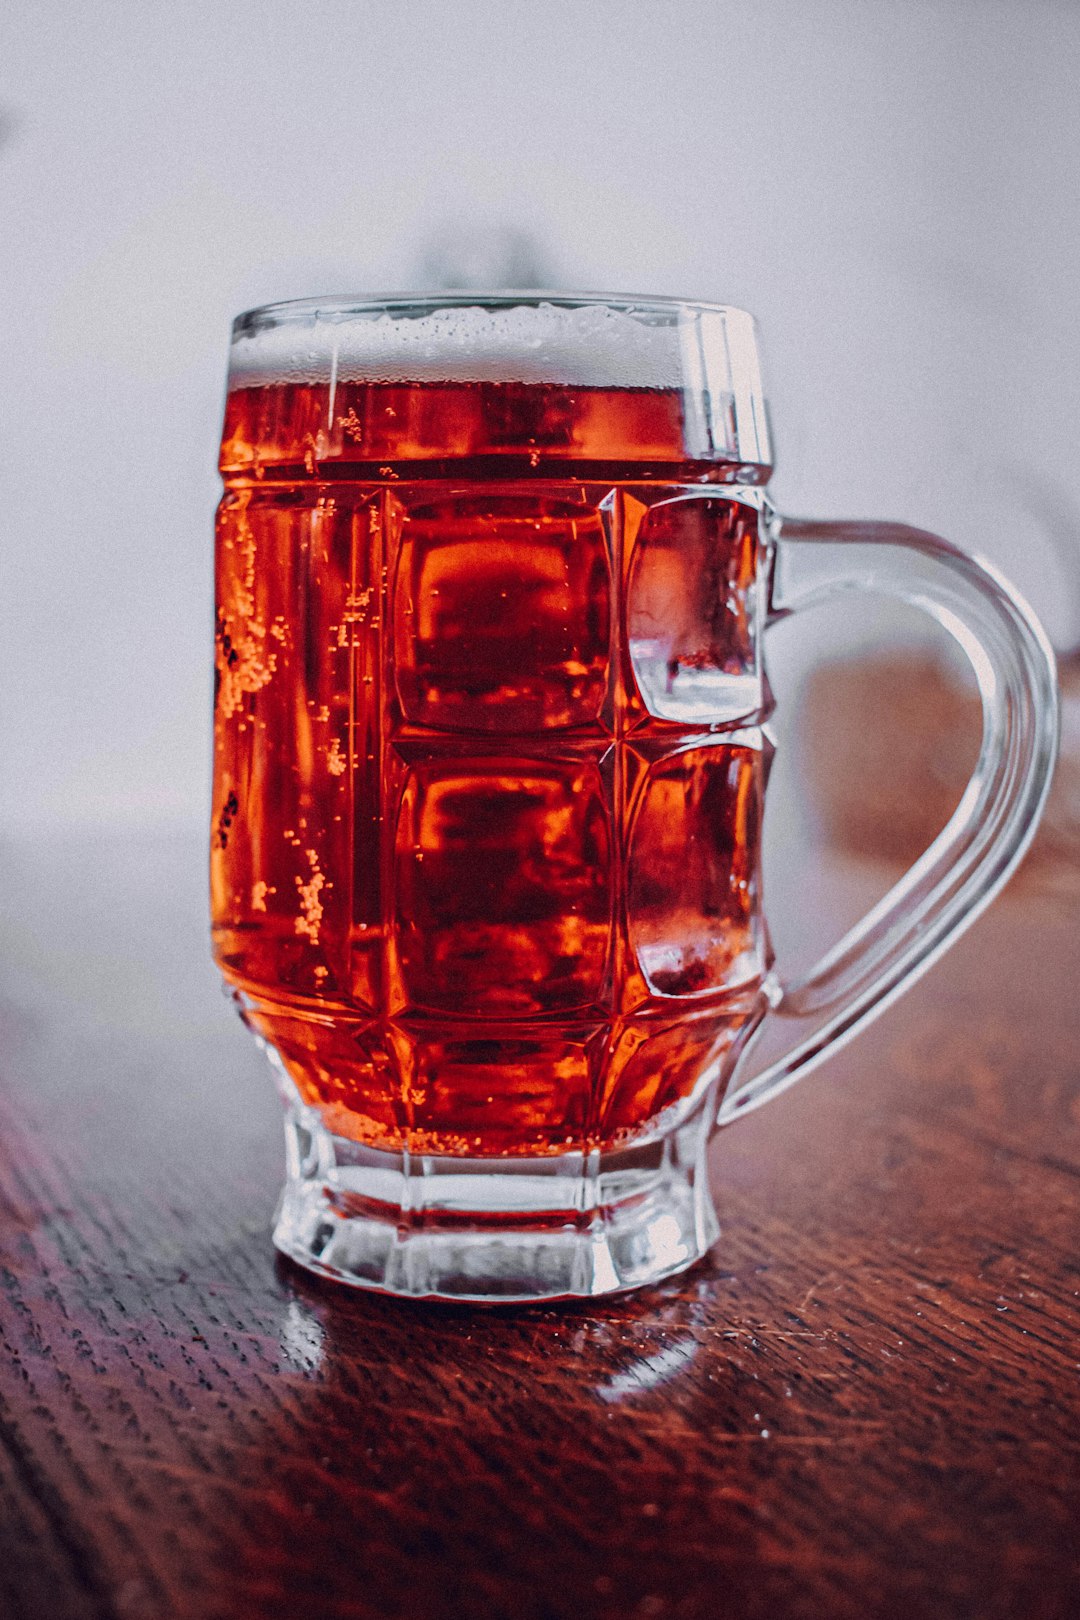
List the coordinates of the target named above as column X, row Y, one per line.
column 492, row 576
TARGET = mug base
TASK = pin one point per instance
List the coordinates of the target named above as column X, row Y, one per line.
column 573, row 1225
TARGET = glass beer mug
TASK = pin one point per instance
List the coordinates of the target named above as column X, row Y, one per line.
column 492, row 580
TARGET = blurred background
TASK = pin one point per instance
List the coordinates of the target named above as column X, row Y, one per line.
column 892, row 189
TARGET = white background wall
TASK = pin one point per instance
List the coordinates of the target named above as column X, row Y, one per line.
column 893, row 186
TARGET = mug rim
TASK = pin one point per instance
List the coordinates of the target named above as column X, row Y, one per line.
column 340, row 306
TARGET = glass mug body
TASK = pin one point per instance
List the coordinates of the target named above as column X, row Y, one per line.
column 492, row 576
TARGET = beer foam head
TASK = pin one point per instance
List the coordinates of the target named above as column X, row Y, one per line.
column 584, row 345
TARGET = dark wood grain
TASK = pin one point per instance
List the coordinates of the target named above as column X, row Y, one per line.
column 865, row 1403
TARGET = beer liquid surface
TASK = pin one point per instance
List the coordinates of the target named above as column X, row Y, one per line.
column 488, row 773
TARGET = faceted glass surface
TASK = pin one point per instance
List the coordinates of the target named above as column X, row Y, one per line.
column 489, row 772
column 501, row 613
column 692, row 610
column 487, row 832
column 502, row 883
column 692, row 875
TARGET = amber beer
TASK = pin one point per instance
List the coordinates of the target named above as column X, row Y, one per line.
column 488, row 781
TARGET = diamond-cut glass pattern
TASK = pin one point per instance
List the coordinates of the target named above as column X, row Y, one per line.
column 501, row 613
column 691, row 881
column 525, row 1087
column 502, row 884
column 691, row 613
column 658, row 1060
column 534, row 799
column 285, row 659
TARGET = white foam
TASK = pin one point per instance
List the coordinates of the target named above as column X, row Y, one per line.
column 584, row 346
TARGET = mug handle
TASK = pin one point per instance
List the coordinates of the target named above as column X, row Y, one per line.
column 995, row 821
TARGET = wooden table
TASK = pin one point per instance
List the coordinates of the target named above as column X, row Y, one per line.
column 865, row 1403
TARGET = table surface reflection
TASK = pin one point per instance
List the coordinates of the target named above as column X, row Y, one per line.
column 865, row 1403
